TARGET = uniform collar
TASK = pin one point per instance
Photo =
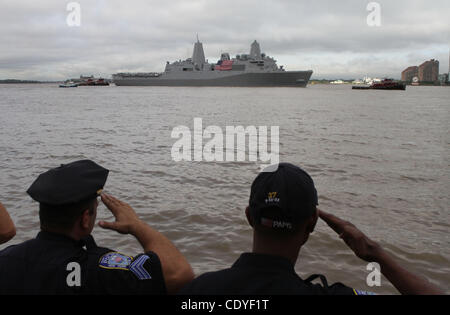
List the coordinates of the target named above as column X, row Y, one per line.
column 263, row 261
column 55, row 237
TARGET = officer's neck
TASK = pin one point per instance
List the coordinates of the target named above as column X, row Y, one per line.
column 287, row 248
column 72, row 234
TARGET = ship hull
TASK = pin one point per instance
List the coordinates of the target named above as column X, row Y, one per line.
column 215, row 78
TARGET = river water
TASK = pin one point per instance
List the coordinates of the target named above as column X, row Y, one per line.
column 380, row 159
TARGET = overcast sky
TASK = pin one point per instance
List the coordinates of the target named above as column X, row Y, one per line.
column 330, row 37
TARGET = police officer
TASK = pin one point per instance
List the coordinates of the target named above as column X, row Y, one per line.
column 7, row 228
column 283, row 213
column 64, row 258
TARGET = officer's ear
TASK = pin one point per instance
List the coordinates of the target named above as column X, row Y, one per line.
column 249, row 218
column 86, row 219
column 312, row 222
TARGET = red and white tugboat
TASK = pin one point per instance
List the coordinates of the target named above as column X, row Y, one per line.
column 386, row 84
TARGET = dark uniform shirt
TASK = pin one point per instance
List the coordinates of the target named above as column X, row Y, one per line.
column 55, row 264
column 256, row 274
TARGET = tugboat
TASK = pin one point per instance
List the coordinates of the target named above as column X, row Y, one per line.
column 386, row 84
column 68, row 85
column 91, row 81
column 85, row 81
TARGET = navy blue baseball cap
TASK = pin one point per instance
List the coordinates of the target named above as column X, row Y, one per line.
column 69, row 184
column 282, row 199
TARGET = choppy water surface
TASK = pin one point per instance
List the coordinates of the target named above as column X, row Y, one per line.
column 379, row 159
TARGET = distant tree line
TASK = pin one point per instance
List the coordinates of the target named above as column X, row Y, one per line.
column 18, row 81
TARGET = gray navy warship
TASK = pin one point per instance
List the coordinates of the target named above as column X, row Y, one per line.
column 253, row 70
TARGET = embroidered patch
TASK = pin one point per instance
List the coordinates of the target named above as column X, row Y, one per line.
column 358, row 292
column 115, row 260
column 137, row 267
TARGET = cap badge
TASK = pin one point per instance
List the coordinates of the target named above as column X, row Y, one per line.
column 272, row 197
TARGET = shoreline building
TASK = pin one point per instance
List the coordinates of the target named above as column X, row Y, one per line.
column 410, row 73
column 443, row 79
column 429, row 71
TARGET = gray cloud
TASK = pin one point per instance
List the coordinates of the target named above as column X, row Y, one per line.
column 330, row 37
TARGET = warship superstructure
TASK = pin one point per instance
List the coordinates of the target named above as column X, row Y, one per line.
column 254, row 69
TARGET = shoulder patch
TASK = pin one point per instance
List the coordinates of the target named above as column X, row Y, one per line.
column 114, row 260
column 358, row 292
column 137, row 267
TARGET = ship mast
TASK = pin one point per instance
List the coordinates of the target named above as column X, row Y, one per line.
column 198, row 57
column 255, row 51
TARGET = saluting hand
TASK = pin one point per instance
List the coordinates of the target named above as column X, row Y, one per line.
column 126, row 217
column 7, row 228
column 362, row 246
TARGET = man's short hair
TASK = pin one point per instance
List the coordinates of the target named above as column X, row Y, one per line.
column 271, row 223
column 63, row 217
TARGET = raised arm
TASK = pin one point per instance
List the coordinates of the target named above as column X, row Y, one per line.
column 370, row 251
column 176, row 269
column 7, row 228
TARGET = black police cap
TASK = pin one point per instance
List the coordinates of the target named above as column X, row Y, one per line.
column 281, row 199
column 69, row 184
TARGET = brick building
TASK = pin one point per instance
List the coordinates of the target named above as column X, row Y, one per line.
column 429, row 71
column 409, row 73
